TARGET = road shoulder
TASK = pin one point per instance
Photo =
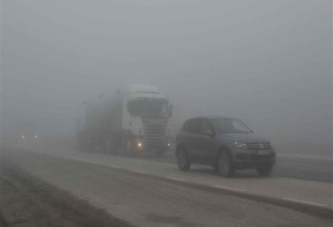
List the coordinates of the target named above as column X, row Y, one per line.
column 26, row 200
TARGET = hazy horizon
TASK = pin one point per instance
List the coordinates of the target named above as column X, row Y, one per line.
column 268, row 63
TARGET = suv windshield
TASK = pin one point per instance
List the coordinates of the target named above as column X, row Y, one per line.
column 230, row 126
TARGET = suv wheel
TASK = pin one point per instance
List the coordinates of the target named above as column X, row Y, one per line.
column 225, row 166
column 265, row 170
column 183, row 160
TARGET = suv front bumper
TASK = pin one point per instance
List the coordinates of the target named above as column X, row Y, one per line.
column 244, row 159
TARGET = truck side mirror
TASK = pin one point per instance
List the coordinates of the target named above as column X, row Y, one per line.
column 136, row 109
column 170, row 110
column 132, row 108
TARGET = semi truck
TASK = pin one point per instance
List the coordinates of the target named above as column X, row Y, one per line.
column 132, row 120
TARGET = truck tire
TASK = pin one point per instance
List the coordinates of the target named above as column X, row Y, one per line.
column 112, row 146
column 159, row 153
column 89, row 144
column 107, row 146
column 129, row 147
column 79, row 143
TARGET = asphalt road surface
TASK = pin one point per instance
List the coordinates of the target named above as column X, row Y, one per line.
column 289, row 165
column 141, row 200
column 320, row 170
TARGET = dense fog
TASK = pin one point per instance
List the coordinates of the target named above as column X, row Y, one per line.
column 268, row 63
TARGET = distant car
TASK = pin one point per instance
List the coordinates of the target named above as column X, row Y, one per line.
column 225, row 143
column 29, row 137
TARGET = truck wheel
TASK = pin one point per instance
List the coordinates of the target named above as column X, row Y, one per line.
column 85, row 143
column 89, row 144
column 159, row 153
column 80, row 144
column 183, row 160
column 108, row 146
column 129, row 147
column 225, row 165
column 265, row 170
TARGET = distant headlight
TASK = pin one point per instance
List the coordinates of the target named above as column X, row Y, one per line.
column 22, row 137
column 36, row 136
column 239, row 145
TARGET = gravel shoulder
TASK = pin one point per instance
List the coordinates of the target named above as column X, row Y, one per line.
column 28, row 201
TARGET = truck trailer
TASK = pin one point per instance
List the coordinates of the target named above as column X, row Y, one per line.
column 132, row 120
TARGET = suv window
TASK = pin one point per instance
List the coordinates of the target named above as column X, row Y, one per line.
column 193, row 126
column 206, row 126
column 238, row 126
column 185, row 127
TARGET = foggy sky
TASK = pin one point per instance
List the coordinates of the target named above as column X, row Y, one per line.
column 266, row 62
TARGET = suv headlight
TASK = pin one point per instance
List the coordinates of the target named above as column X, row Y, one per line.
column 240, row 145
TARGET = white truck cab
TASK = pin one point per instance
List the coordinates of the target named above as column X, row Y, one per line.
column 145, row 118
column 134, row 119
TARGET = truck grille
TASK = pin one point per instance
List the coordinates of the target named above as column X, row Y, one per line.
column 154, row 133
column 259, row 146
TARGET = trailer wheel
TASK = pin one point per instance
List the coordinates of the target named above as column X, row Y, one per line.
column 89, row 144
column 129, row 147
column 159, row 153
column 108, row 146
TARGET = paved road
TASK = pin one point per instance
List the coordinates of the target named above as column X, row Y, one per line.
column 290, row 165
column 146, row 201
column 296, row 167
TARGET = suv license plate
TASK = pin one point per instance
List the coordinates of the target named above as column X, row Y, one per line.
column 263, row 152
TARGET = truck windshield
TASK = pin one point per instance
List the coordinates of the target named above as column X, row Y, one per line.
column 151, row 108
column 230, row 126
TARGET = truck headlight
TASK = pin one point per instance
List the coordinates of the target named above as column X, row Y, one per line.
column 240, row 145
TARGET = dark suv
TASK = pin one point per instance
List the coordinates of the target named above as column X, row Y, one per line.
column 225, row 143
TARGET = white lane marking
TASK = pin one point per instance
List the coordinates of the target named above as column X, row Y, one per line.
column 139, row 171
column 305, row 202
column 177, row 179
column 303, row 169
column 228, row 188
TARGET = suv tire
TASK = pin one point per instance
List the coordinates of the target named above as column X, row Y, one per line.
column 224, row 165
column 183, row 160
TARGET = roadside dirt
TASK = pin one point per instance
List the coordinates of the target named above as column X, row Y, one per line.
column 28, row 201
